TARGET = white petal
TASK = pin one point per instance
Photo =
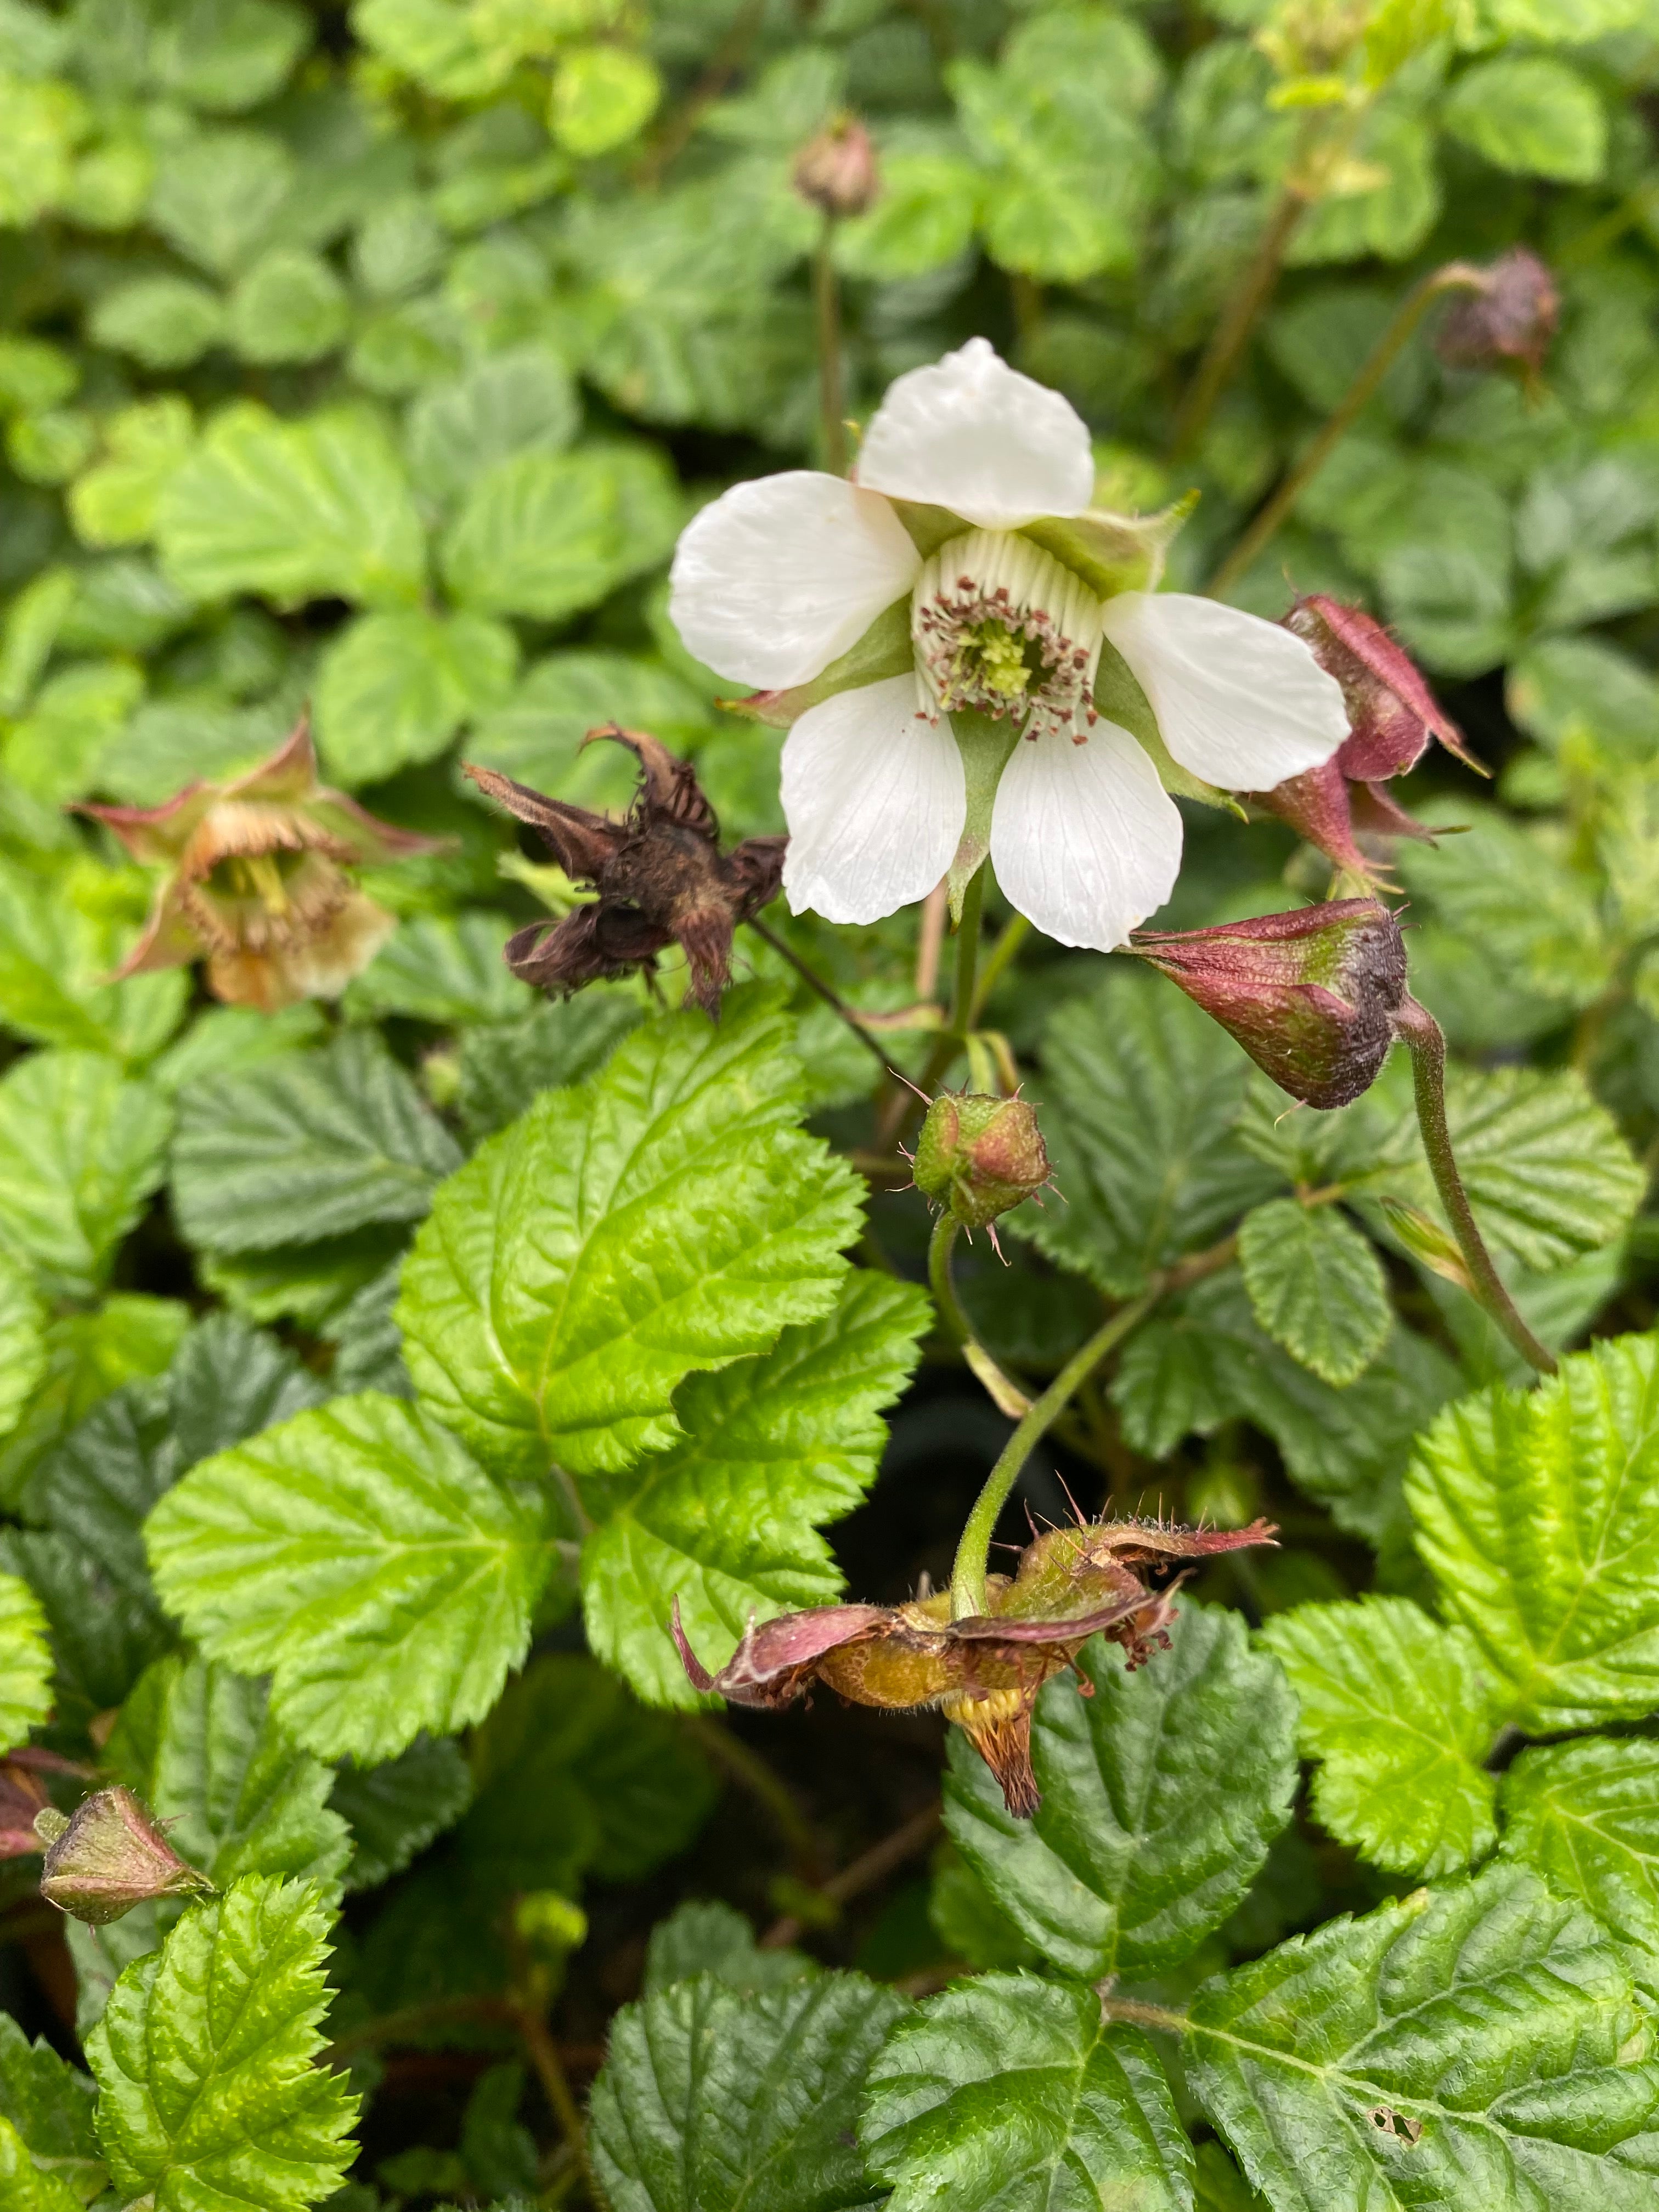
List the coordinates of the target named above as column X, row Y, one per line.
column 1085, row 839
column 975, row 436
column 875, row 800
column 1239, row 700
column 777, row 578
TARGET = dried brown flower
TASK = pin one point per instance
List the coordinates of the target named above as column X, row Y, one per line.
column 659, row 874
column 1115, row 1578
column 258, row 880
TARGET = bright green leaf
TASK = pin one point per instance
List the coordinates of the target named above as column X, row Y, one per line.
column 165, row 322
column 603, row 96
column 665, row 1216
column 1161, row 1793
column 1531, row 114
column 205, row 2060
column 1397, row 1712
column 1538, row 1514
column 82, row 1149
column 1015, row 2093
column 22, row 1341
column 48, row 2106
column 218, row 200
column 522, row 400
column 358, row 1554
column 1586, row 1815
column 394, row 689
column 25, row 1662
column 506, row 1066
column 547, row 534
column 289, row 305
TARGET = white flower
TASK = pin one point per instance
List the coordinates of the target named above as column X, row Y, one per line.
column 779, row 578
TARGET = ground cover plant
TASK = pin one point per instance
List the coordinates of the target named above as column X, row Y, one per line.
column 826, row 1357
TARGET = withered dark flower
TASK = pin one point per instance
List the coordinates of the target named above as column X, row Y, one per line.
column 1311, row 995
column 659, row 874
column 836, row 170
column 1392, row 716
column 107, row 1856
column 258, row 880
column 1512, row 318
column 1115, row 1578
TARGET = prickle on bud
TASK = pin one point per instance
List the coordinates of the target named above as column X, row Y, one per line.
column 979, row 1157
column 1311, row 995
column 108, row 1856
column 836, row 170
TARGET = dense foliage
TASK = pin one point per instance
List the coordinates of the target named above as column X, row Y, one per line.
column 379, row 1371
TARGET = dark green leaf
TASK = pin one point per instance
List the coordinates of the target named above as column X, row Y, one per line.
column 1317, row 1287
column 395, row 1810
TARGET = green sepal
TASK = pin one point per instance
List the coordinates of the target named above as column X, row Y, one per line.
column 883, row 651
column 930, row 527
column 986, row 747
column 1112, row 552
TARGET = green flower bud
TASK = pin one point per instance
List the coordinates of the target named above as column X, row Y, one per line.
column 109, row 1857
column 980, row 1156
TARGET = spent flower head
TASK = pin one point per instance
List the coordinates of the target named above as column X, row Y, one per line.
column 659, row 874
column 1510, row 319
column 1114, row 1578
column 107, row 1856
column 1311, row 995
column 258, row 880
column 945, row 635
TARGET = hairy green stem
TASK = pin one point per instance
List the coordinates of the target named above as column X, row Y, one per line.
column 967, row 1574
column 826, row 302
column 940, row 1247
column 1456, row 276
column 1420, row 1033
column 973, row 910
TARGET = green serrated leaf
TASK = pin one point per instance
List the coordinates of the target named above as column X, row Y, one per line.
column 1586, row 1815
column 505, row 1067
column 1161, row 1793
column 298, row 510
column 22, row 1341
column 1140, row 1092
column 1317, row 1287
column 27, row 2186
column 523, row 400
column 361, row 1556
column 205, row 2060
column 1538, row 1514
column 569, row 1773
column 47, row 2106
column 713, row 2101
column 87, row 1355
column 704, row 1937
column 289, row 306
column 395, row 1810
column 547, row 533
column 394, row 689
column 445, row 968
column 1015, row 2093
column 665, row 1216
column 1476, row 2046
column 55, row 960
column 309, row 1146
column 82, row 1148
column 25, row 1662
column 198, row 1745
column 1399, row 1716
column 1531, row 114
column 727, row 1521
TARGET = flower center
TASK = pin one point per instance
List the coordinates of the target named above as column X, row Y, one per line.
column 1000, row 628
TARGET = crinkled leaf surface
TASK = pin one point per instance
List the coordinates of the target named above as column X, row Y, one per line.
column 1012, row 2092
column 395, row 1810
column 1316, row 1286
column 1161, row 1793
column 667, row 1215
column 713, row 2101
column 25, row 1662
column 440, row 969
column 205, row 2060
column 359, row 1554
column 82, row 1148
column 49, row 2104
column 87, row 1355
column 505, row 1064
column 22, row 1341
column 1492, row 2015
column 309, row 1147
column 728, row 1522
column 1399, row 1716
column 704, row 1937
column 198, row 1745
column 1586, row 1814
column 1538, row 1514
column 1141, row 1091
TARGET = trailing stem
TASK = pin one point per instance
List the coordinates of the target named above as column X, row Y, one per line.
column 1421, row 1034
column 1456, row 276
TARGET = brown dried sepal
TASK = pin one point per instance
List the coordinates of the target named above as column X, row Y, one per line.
column 659, row 874
column 1114, row 1578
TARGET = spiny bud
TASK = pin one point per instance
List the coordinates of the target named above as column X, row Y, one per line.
column 1311, row 996
column 980, row 1156
column 836, row 170
column 107, row 1856
column 1512, row 318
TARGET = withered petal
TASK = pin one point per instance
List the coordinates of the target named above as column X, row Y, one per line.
column 669, row 789
column 582, row 843
column 766, row 1668
column 755, row 870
